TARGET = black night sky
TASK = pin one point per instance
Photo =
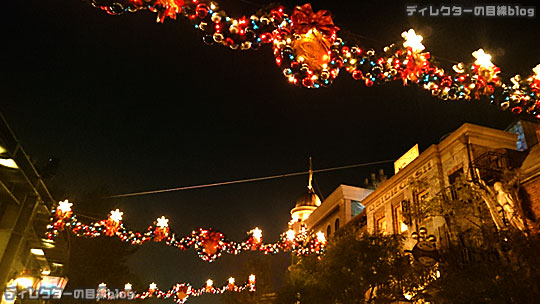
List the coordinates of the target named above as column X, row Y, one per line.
column 131, row 105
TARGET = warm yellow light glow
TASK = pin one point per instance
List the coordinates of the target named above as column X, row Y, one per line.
column 37, row 251
column 162, row 222
column 252, row 279
column 290, row 234
column 127, row 286
column 24, row 282
column 209, row 283
column 320, row 237
column 213, row 6
column 300, row 58
column 116, row 215
column 352, row 61
column 8, row 162
column 257, row 234
column 231, row 280
column 403, row 227
column 64, row 206
column 483, row 59
column 413, row 41
column 2, row 150
column 45, row 272
column 152, row 286
column 536, row 71
column 102, row 285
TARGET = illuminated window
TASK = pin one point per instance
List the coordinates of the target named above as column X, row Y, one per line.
column 380, row 225
column 399, row 224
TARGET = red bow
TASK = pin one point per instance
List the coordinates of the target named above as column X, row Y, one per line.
column 304, row 19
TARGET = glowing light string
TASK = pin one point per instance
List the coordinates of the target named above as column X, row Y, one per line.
column 179, row 292
column 208, row 243
column 310, row 53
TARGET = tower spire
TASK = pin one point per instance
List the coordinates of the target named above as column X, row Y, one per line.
column 310, row 175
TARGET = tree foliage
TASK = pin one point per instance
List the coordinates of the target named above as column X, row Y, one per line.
column 357, row 268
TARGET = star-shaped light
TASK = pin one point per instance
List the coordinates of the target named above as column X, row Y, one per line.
column 209, row 283
column 152, row 286
column 413, row 41
column 257, row 234
column 116, row 215
column 320, row 237
column 290, row 235
column 483, row 59
column 162, row 222
column 64, row 206
column 231, row 281
column 536, row 71
column 127, row 286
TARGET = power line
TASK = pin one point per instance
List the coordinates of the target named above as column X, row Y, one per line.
column 246, row 180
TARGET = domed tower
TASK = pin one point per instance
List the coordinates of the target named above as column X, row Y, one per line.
column 305, row 204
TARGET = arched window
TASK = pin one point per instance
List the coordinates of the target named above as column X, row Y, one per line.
column 336, row 224
column 328, row 230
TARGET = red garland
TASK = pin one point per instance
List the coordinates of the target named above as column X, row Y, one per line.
column 304, row 19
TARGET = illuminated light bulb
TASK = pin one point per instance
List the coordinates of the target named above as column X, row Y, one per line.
column 213, row 6
column 290, row 235
column 291, row 79
column 325, row 57
column 116, row 215
column 64, row 206
column 257, row 234
column 252, row 279
column 152, row 286
column 413, row 41
column 300, row 58
column 231, row 281
column 288, row 40
column 483, row 59
column 127, row 286
column 536, row 71
column 320, row 237
column 162, row 222
column 209, row 283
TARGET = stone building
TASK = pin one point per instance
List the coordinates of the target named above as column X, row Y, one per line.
column 530, row 183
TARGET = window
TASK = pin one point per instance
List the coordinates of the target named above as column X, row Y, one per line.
column 380, row 225
column 397, row 213
column 328, row 231
column 336, row 224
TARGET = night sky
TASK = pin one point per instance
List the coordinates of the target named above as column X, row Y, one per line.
column 131, row 105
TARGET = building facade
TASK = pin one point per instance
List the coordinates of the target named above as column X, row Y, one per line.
column 27, row 259
column 530, row 183
column 470, row 150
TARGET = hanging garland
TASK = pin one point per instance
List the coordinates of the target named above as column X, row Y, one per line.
column 179, row 292
column 208, row 243
column 310, row 54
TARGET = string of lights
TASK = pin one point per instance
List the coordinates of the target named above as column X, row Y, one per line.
column 179, row 292
column 208, row 243
column 310, row 53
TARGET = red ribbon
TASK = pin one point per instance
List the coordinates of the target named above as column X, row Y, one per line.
column 304, row 19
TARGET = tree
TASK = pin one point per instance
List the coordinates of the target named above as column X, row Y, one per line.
column 356, row 268
column 486, row 259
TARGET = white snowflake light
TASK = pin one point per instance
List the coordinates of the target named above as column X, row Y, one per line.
column 413, row 41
